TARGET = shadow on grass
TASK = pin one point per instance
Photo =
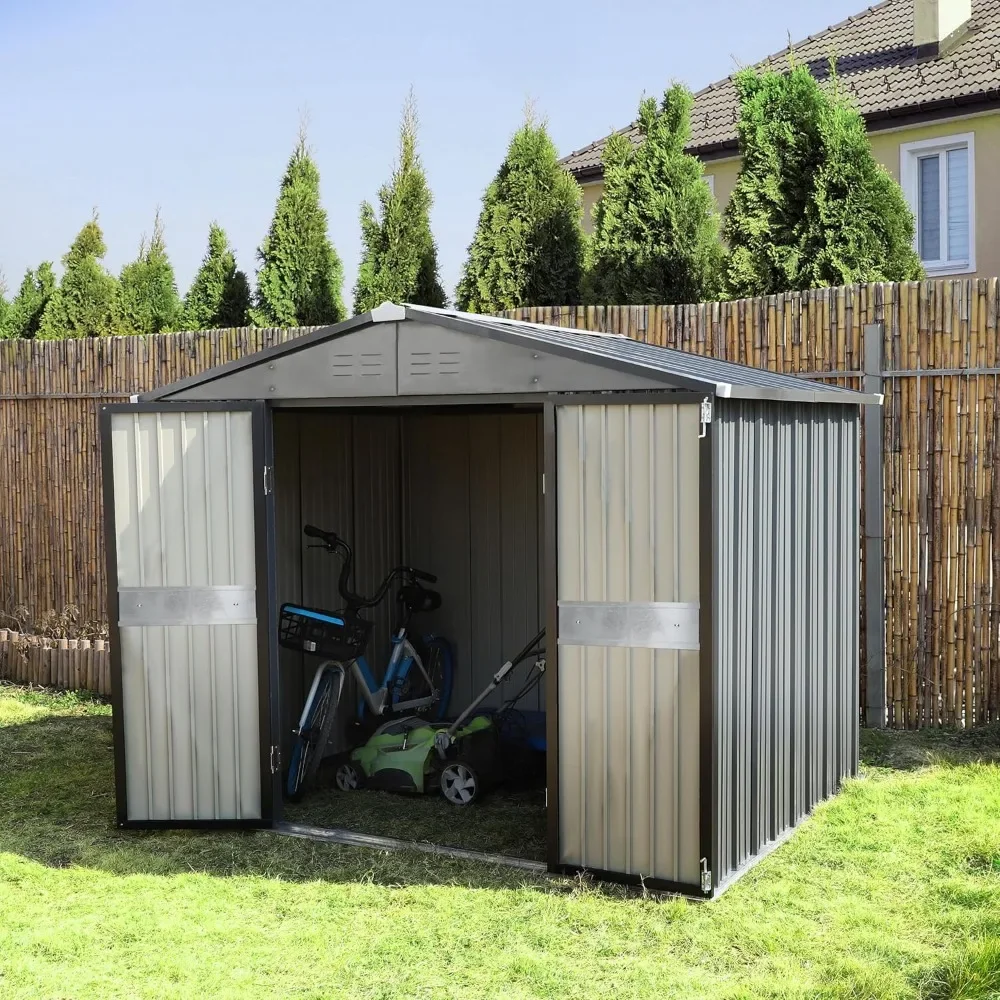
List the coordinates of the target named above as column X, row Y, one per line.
column 907, row 750
column 57, row 795
column 510, row 820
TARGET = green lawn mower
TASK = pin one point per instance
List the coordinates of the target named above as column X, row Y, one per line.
column 462, row 758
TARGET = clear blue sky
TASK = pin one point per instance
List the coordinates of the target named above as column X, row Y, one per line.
column 193, row 105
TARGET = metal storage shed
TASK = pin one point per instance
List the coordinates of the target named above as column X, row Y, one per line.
column 686, row 528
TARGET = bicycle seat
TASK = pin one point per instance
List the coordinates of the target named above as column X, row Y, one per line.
column 415, row 598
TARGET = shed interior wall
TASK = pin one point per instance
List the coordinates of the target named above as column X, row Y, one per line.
column 456, row 493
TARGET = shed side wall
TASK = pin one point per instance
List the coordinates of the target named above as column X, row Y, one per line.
column 787, row 592
column 627, row 480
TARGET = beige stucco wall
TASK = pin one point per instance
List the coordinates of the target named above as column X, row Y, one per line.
column 885, row 146
column 986, row 128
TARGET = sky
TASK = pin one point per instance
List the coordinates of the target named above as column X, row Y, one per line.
column 193, row 106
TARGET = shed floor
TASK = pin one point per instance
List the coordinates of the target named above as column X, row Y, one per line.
column 509, row 821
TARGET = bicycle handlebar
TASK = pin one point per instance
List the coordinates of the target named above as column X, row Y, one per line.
column 355, row 602
column 311, row 531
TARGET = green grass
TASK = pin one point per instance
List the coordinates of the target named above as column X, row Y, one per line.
column 891, row 890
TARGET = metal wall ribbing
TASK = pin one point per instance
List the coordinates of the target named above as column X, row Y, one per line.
column 184, row 536
column 786, row 594
column 456, row 494
column 628, row 531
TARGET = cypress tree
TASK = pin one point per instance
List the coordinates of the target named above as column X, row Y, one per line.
column 399, row 262
column 300, row 275
column 24, row 315
column 811, row 206
column 84, row 303
column 656, row 227
column 528, row 246
column 147, row 291
column 220, row 294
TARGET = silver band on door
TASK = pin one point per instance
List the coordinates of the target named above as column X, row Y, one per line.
column 139, row 606
column 635, row 624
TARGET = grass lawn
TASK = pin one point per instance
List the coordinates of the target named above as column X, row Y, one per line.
column 892, row 890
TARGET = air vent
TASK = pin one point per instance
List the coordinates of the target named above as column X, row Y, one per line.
column 435, row 363
column 364, row 364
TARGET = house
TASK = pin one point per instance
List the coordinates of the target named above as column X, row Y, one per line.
column 926, row 77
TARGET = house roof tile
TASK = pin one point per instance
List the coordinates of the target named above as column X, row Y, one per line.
column 876, row 63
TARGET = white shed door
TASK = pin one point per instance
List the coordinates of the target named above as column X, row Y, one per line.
column 183, row 489
column 628, row 684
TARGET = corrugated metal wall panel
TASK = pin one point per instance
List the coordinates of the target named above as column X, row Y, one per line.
column 628, row 717
column 472, row 515
column 456, row 494
column 339, row 471
column 183, row 485
column 786, row 612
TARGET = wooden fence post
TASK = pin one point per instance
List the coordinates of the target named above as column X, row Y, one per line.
column 874, row 505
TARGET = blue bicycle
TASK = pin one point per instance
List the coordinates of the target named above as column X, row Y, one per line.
column 418, row 677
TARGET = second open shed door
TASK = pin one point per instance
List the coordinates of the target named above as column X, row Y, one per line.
column 186, row 505
column 628, row 662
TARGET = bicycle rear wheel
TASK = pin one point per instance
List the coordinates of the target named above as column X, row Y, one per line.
column 439, row 663
column 314, row 735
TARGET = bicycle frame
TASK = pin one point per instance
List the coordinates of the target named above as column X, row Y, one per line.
column 403, row 656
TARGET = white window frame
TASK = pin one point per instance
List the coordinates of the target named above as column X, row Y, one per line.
column 909, row 158
column 710, row 181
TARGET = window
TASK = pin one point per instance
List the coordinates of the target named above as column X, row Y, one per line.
column 710, row 181
column 938, row 179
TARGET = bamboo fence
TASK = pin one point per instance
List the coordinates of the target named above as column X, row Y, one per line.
column 76, row 664
column 941, row 431
column 51, row 520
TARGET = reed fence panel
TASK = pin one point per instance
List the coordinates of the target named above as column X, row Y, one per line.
column 941, row 428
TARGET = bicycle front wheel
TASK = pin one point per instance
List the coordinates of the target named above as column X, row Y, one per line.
column 314, row 734
column 439, row 664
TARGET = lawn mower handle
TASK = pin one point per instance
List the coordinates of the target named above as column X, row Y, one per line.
column 498, row 678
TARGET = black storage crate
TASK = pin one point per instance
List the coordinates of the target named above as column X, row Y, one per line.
column 330, row 634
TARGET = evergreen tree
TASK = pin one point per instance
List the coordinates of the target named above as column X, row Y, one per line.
column 300, row 275
column 147, row 292
column 811, row 206
column 656, row 228
column 399, row 262
column 24, row 315
column 84, row 303
column 528, row 246
column 220, row 294
column 4, row 307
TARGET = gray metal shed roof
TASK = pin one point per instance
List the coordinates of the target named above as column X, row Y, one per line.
column 615, row 353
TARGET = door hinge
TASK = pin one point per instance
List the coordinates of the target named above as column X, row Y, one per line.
column 706, row 416
column 268, row 479
column 543, row 484
column 706, row 876
column 275, row 759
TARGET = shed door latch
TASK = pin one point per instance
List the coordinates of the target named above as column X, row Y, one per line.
column 268, row 479
column 706, row 876
column 275, row 759
column 706, row 416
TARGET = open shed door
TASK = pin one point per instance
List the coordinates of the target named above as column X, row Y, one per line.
column 627, row 669
column 186, row 511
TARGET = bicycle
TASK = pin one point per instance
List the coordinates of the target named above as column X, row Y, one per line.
column 412, row 682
